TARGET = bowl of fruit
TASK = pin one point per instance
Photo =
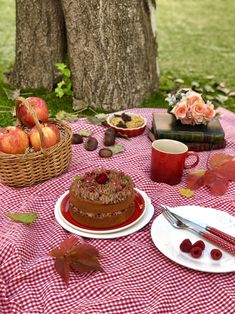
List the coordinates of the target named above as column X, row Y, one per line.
column 127, row 123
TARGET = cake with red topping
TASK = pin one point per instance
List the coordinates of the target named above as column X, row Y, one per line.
column 102, row 198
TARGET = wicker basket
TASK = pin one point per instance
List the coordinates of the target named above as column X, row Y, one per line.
column 33, row 167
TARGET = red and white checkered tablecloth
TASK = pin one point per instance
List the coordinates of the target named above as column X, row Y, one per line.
column 137, row 277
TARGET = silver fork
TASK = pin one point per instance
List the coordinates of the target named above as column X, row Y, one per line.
column 177, row 223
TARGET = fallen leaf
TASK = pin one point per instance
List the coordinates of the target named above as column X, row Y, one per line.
column 210, row 77
column 26, row 218
column 227, row 170
column 63, row 115
column 70, row 255
column 209, row 89
column 219, row 159
column 209, row 97
column 232, row 94
column 224, row 90
column 98, row 119
column 221, row 99
column 117, row 148
column 216, row 178
column 217, row 183
column 85, row 133
column 186, row 192
column 12, row 94
column 179, row 81
column 195, row 179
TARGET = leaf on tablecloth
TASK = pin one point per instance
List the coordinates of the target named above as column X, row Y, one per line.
column 117, row 148
column 85, row 133
column 79, row 257
column 186, row 192
column 221, row 170
column 217, row 183
column 98, row 119
column 195, row 179
column 219, row 159
column 26, row 218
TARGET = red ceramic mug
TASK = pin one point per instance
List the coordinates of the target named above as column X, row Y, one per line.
column 168, row 161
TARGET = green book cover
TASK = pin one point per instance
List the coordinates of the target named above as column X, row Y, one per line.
column 197, row 146
column 165, row 125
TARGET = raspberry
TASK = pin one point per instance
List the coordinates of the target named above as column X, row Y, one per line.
column 196, row 252
column 200, row 244
column 186, row 246
column 216, row 254
column 102, row 178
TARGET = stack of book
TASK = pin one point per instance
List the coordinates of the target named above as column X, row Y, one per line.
column 196, row 137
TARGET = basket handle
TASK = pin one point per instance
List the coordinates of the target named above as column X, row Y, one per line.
column 27, row 104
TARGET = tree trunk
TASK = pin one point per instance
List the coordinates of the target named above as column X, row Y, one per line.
column 112, row 51
column 40, row 43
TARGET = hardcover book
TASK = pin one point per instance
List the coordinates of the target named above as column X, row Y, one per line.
column 197, row 146
column 166, row 126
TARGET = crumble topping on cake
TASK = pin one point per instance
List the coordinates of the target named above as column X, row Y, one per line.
column 104, row 186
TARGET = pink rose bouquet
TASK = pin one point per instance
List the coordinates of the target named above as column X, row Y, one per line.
column 189, row 107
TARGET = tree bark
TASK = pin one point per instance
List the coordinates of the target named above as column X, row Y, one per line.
column 40, row 43
column 112, row 51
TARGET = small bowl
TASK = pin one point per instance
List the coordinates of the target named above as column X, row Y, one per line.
column 130, row 132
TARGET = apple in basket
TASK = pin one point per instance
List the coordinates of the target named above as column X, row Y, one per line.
column 38, row 105
column 51, row 136
column 13, row 140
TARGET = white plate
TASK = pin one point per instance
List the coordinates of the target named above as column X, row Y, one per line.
column 131, row 229
column 167, row 238
column 111, row 230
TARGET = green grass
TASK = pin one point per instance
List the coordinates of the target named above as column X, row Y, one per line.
column 195, row 38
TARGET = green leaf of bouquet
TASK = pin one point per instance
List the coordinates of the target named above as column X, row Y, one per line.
column 26, row 218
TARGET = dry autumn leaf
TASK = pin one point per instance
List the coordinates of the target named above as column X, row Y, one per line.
column 25, row 218
column 216, row 178
column 195, row 179
column 186, row 192
column 79, row 257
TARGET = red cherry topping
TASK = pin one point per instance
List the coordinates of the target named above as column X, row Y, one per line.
column 186, row 246
column 102, row 178
column 89, row 179
column 216, row 254
column 200, row 244
column 196, row 252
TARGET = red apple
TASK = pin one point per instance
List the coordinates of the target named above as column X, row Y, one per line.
column 13, row 140
column 40, row 108
column 51, row 136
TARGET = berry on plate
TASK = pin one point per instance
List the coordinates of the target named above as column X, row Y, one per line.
column 216, row 254
column 196, row 252
column 200, row 244
column 186, row 246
